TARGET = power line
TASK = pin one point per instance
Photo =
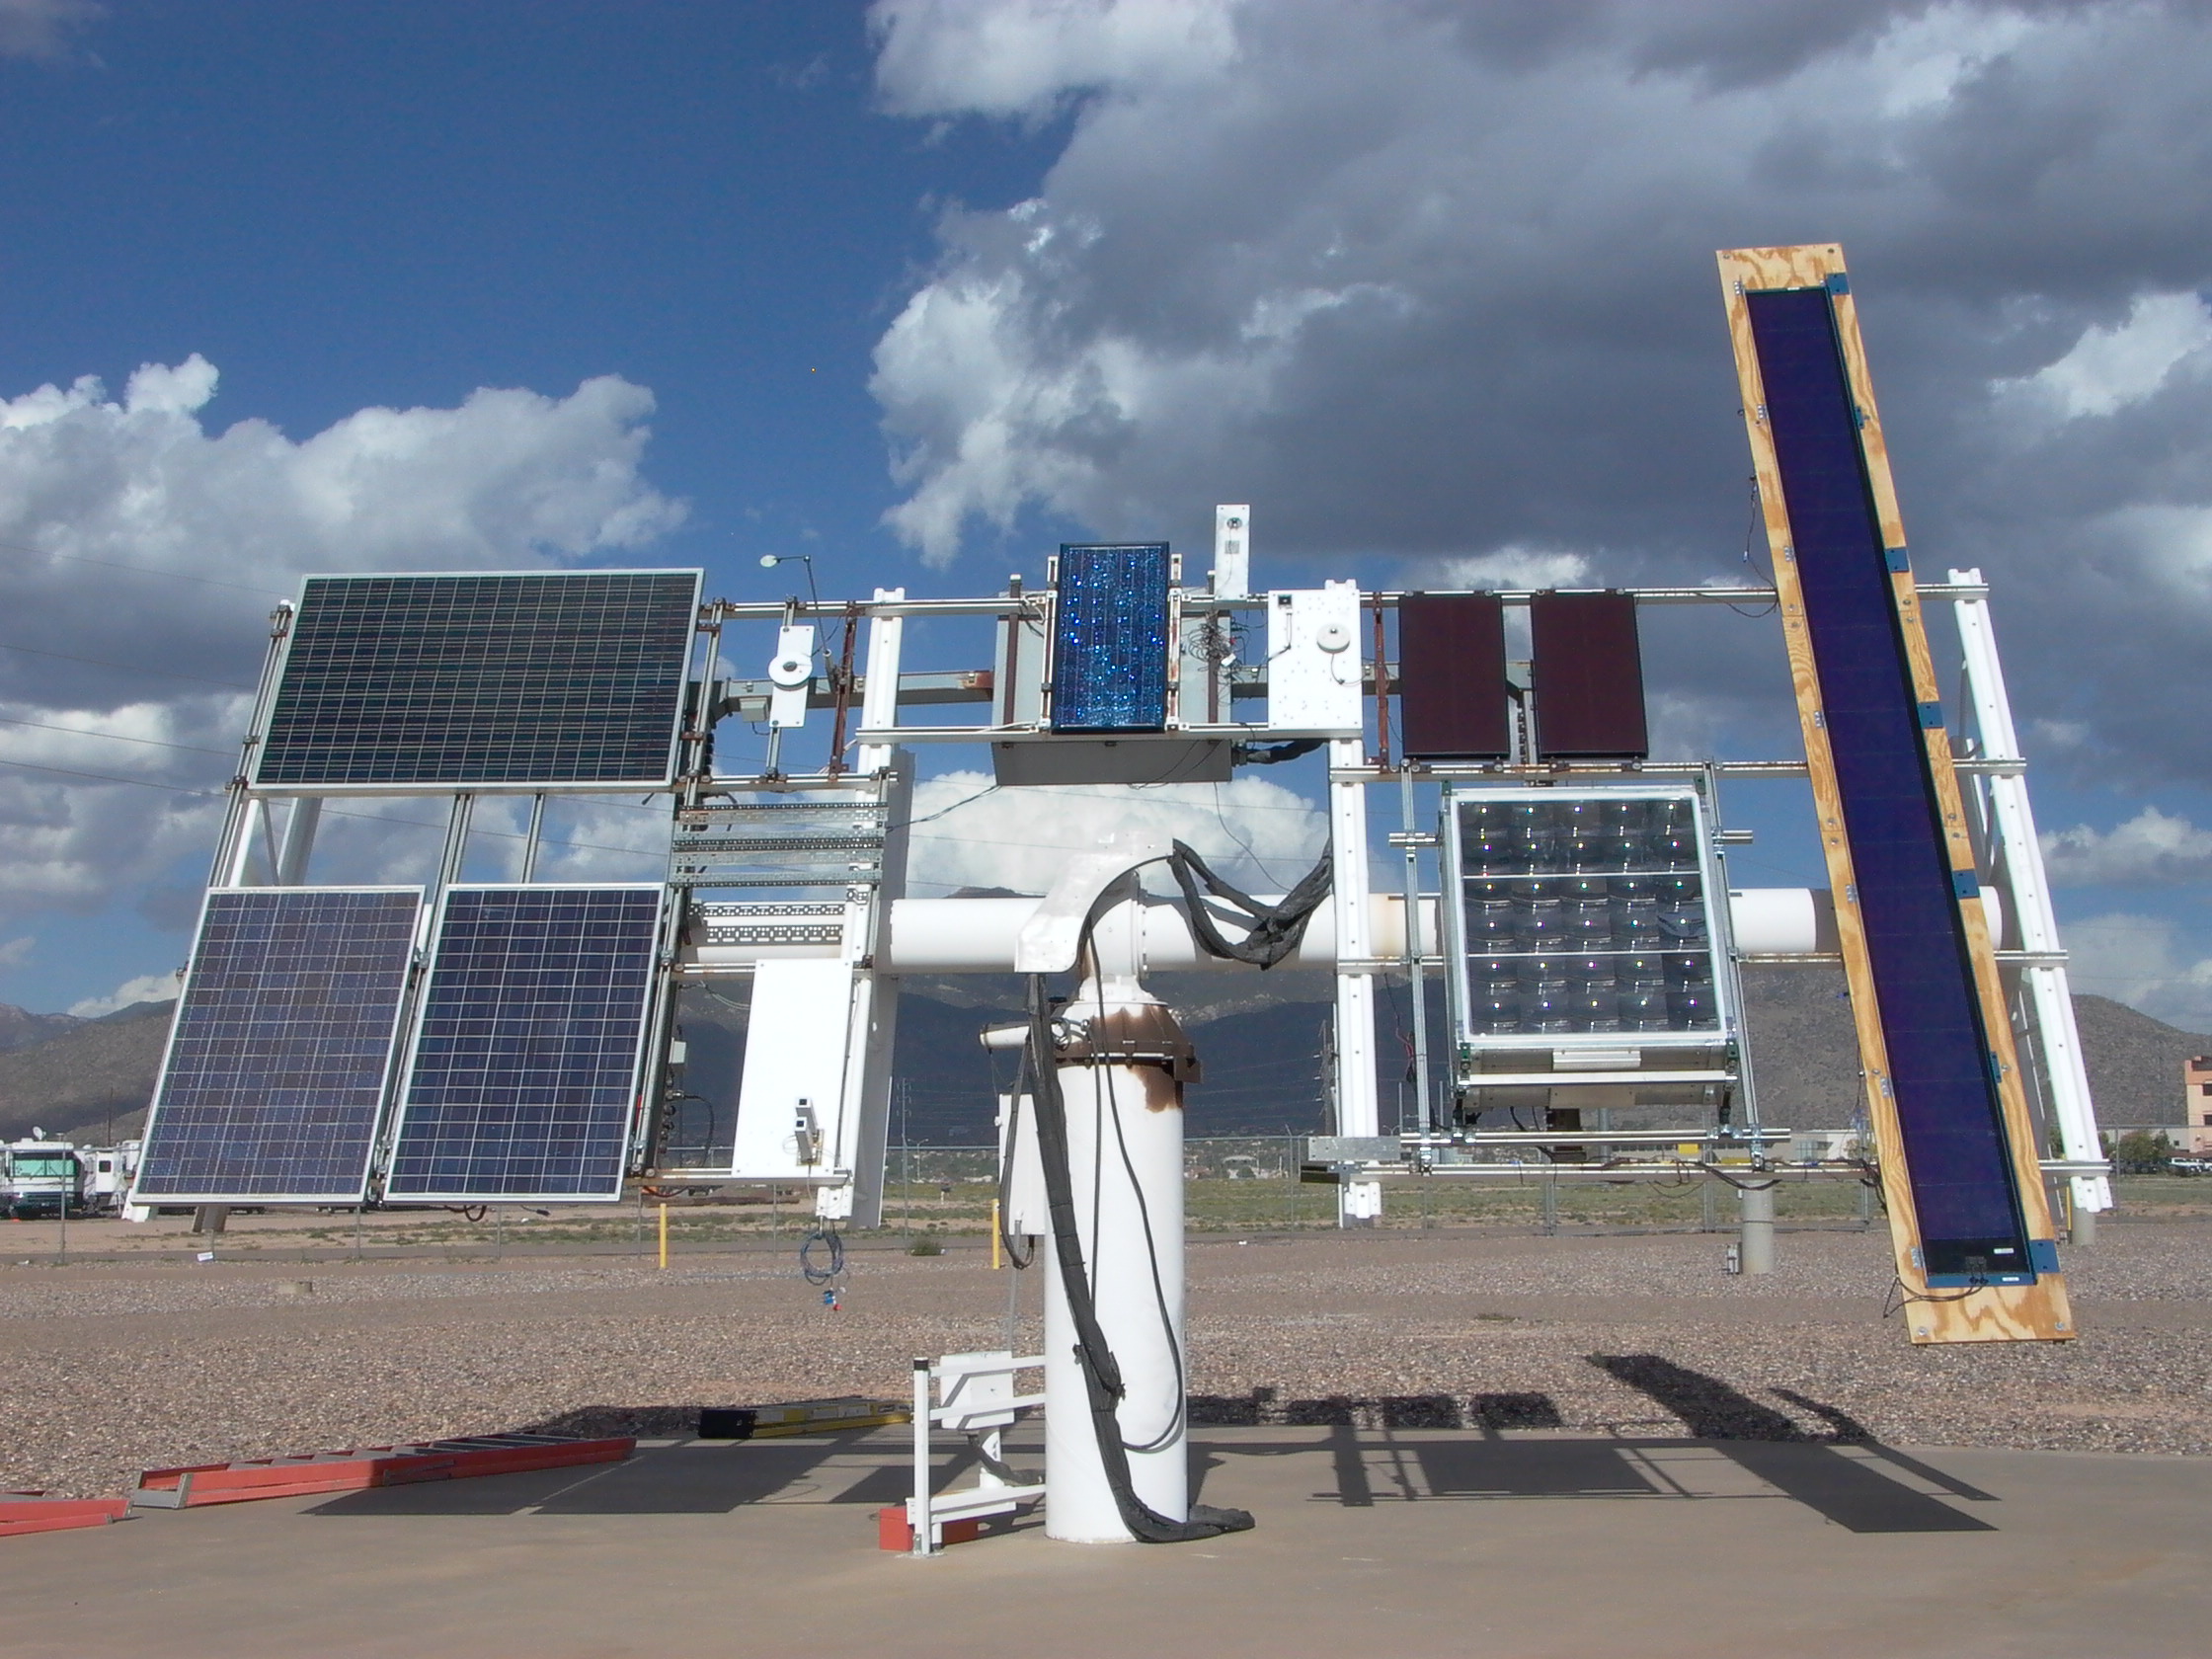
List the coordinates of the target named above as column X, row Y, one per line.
column 80, row 732
column 127, row 668
column 142, row 570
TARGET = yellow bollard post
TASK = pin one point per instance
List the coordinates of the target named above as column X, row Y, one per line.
column 663, row 1235
column 994, row 1236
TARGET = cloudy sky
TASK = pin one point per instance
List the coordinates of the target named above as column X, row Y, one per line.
column 921, row 288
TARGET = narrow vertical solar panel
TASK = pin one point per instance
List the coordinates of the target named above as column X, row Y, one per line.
column 1589, row 676
column 570, row 678
column 1949, row 1110
column 275, row 1068
column 1110, row 638
column 1452, row 683
column 524, row 1075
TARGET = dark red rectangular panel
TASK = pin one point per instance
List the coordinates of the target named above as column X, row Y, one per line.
column 1452, row 686
column 1589, row 677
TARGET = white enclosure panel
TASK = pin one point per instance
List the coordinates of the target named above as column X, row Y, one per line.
column 1313, row 659
column 791, row 675
column 790, row 1102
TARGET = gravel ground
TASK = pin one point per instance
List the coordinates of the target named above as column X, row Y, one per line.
column 110, row 1368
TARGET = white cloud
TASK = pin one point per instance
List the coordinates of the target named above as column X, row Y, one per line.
column 938, row 58
column 2143, row 962
column 146, row 987
column 40, row 28
column 2150, row 848
column 1508, row 567
column 2112, row 368
column 1257, row 834
column 143, row 547
column 15, row 952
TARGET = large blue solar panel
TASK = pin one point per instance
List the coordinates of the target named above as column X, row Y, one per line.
column 523, row 1076
column 1940, row 1063
column 1110, row 638
column 275, row 1068
column 539, row 677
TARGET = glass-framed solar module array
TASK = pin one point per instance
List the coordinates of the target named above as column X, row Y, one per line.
column 1584, row 920
column 275, row 1070
column 522, row 1078
column 522, row 680
column 1110, row 637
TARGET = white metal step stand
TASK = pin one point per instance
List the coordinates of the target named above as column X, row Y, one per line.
column 972, row 1395
column 2012, row 829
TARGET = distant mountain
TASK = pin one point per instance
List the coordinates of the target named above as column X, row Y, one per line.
column 90, row 1082
column 20, row 1028
column 1260, row 1037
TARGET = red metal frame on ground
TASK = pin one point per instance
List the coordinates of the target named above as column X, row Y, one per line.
column 372, row 1465
column 43, row 1512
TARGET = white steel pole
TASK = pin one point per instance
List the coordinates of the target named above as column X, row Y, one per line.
column 1125, row 1155
column 2013, row 830
column 1358, row 1110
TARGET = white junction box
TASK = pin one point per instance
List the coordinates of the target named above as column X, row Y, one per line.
column 1314, row 666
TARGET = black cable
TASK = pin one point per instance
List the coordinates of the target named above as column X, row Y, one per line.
column 1102, row 1377
column 1276, row 930
column 1006, row 1167
column 832, row 1245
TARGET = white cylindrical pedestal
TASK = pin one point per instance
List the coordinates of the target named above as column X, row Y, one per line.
column 1758, row 1240
column 1130, row 1281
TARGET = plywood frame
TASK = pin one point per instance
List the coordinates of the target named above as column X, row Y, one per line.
column 1992, row 1314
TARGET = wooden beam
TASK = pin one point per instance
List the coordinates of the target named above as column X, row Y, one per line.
column 1998, row 1312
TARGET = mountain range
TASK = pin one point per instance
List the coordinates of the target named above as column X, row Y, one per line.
column 1262, row 1039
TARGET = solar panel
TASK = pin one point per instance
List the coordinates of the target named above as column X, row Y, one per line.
column 1452, row 685
column 275, row 1067
column 1110, row 638
column 1948, row 1109
column 1589, row 676
column 535, row 678
column 523, row 1074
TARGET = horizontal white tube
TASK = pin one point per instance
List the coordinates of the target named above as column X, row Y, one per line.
column 979, row 935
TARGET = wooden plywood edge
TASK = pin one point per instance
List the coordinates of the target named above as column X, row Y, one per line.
column 1992, row 1314
column 1764, row 268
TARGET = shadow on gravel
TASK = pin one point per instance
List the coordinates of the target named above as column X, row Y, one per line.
column 1848, row 1492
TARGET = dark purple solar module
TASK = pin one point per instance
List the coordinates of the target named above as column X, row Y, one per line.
column 1589, row 676
column 1941, row 1067
column 1452, row 689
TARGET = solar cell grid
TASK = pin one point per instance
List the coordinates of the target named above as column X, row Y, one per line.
column 571, row 678
column 525, row 1068
column 1110, row 638
column 275, row 1068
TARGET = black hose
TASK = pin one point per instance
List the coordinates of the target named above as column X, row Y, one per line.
column 1276, row 929
column 1102, row 1377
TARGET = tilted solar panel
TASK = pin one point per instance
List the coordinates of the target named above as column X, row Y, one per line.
column 1948, row 1109
column 523, row 1074
column 276, row 1064
column 558, row 678
column 1110, row 638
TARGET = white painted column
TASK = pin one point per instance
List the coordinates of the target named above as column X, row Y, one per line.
column 1357, row 1108
column 1125, row 1158
column 2013, row 832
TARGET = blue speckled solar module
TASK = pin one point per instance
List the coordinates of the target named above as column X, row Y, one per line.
column 1110, row 638
column 1941, row 1067
column 276, row 1064
column 523, row 1076
column 570, row 678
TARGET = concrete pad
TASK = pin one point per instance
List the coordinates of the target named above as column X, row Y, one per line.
column 1412, row 1543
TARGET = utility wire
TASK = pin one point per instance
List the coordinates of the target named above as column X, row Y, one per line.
column 127, row 668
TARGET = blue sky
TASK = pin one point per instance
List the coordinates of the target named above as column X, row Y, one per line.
column 921, row 288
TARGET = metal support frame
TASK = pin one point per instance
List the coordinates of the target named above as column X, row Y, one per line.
column 2016, row 856
column 972, row 1395
column 1359, row 1203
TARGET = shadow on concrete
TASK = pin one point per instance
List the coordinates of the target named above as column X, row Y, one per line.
column 695, row 1477
column 1848, row 1492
